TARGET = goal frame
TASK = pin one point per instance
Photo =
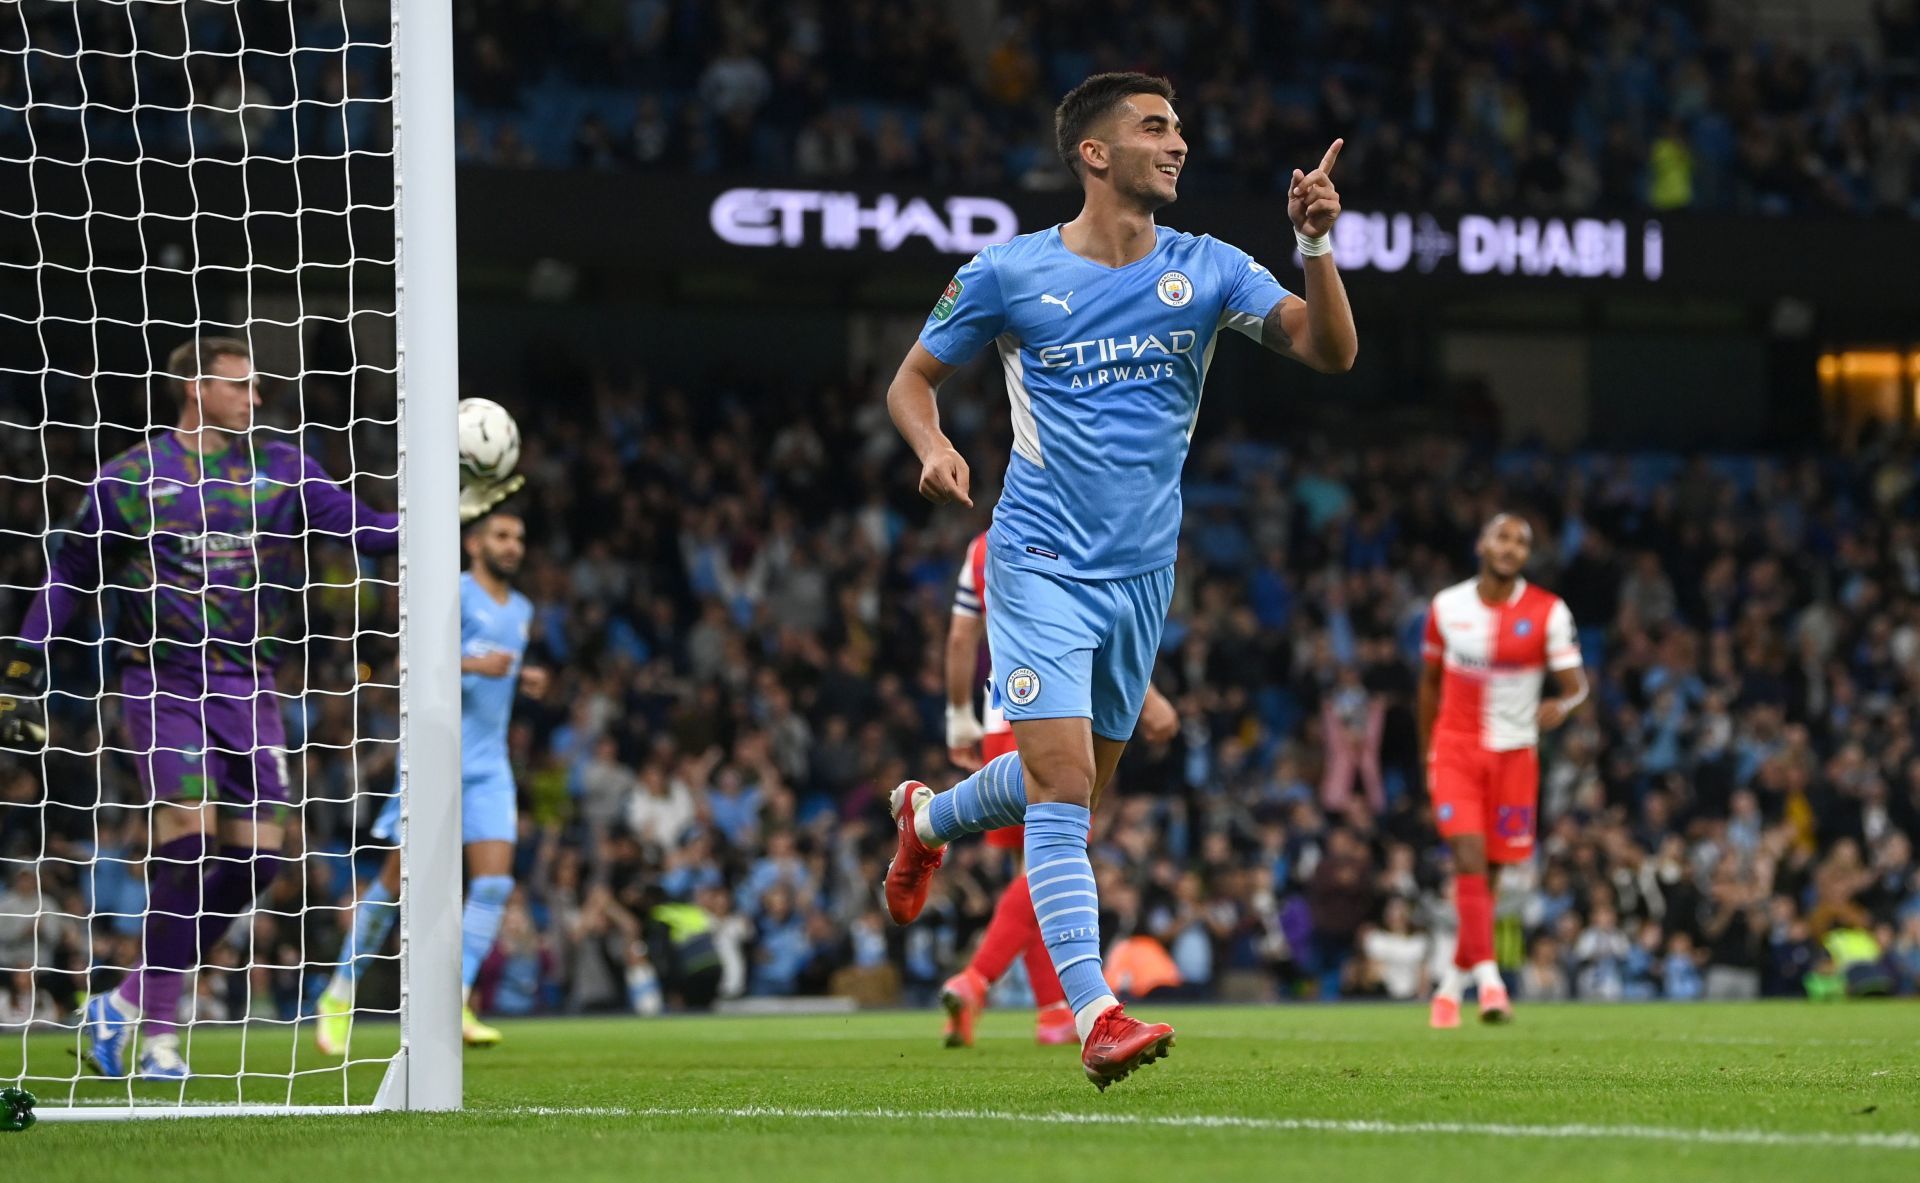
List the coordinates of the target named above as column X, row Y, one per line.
column 426, row 1072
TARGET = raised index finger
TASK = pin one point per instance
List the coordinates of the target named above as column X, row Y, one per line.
column 1333, row 154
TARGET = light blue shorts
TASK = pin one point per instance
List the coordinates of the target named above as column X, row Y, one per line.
column 1075, row 648
column 487, row 811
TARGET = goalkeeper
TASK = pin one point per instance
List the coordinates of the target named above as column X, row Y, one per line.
column 199, row 534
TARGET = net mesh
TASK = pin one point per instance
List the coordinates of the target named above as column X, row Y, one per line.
column 170, row 172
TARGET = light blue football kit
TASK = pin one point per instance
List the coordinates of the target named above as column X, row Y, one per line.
column 486, row 789
column 1104, row 368
column 486, row 706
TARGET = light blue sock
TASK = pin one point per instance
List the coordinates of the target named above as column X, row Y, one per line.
column 1060, row 876
column 993, row 797
column 480, row 923
column 373, row 919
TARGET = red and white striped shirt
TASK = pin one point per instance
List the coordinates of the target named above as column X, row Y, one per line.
column 970, row 599
column 1494, row 658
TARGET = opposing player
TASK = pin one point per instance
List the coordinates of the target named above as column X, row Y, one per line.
column 495, row 622
column 1013, row 931
column 1488, row 643
column 1104, row 327
column 198, row 534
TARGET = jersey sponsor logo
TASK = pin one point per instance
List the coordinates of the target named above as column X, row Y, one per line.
column 1104, row 350
column 1046, row 298
column 1175, row 289
column 943, row 307
column 1023, row 686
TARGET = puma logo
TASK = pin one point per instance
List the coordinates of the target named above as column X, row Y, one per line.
column 1060, row 300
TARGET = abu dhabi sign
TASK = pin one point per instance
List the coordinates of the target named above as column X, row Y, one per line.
column 1474, row 244
column 1469, row 244
column 848, row 221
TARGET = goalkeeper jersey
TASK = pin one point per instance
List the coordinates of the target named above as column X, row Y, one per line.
column 200, row 557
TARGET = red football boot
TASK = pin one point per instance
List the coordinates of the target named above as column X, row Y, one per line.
column 913, row 863
column 1117, row 1045
column 964, row 996
column 1495, row 1007
column 1054, row 1025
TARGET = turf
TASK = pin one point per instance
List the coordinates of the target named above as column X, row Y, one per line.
column 1668, row 1092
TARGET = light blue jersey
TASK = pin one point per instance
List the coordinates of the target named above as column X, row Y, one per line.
column 1104, row 368
column 486, row 706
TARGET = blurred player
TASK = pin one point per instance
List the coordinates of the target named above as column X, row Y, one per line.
column 1488, row 642
column 495, row 621
column 199, row 534
column 1013, row 931
column 1104, row 327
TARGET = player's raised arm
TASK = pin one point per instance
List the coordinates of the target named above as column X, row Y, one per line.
column 1318, row 330
column 910, row 400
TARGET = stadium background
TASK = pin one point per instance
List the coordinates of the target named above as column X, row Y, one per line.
column 1706, row 411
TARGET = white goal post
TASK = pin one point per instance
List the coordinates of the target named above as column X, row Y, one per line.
column 281, row 172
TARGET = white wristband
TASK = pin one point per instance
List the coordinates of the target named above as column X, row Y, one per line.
column 1313, row 247
column 963, row 729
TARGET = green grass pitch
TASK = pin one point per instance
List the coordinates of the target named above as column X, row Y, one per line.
column 1334, row 1093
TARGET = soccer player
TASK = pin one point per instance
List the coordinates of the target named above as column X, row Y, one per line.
column 1488, row 641
column 1014, row 931
column 199, row 536
column 495, row 621
column 1104, row 327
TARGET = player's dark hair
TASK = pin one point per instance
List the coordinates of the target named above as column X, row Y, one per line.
column 191, row 360
column 1093, row 100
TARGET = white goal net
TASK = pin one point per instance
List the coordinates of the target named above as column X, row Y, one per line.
column 202, row 571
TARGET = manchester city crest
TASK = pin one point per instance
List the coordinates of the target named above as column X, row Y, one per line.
column 1023, row 686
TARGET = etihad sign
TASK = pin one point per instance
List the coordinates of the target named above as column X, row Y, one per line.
column 847, row 221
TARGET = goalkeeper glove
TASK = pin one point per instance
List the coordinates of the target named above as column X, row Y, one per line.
column 481, row 497
column 963, row 730
column 23, row 686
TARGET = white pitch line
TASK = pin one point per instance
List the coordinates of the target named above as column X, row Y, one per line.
column 1282, row 1037
column 1279, row 1125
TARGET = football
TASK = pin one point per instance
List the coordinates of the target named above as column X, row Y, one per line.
column 489, row 439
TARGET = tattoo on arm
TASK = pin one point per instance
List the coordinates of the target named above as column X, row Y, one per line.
column 1273, row 331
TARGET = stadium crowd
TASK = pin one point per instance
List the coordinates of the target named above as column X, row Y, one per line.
column 1570, row 105
column 744, row 606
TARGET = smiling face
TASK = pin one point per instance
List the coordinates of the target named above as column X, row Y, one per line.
column 1144, row 151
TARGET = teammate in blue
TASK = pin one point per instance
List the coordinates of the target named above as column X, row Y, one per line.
column 494, row 624
column 1104, row 326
